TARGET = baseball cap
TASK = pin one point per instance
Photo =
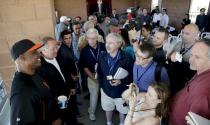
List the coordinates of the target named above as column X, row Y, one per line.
column 64, row 18
column 23, row 46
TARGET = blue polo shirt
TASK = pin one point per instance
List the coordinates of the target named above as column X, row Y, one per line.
column 144, row 76
column 108, row 66
column 89, row 56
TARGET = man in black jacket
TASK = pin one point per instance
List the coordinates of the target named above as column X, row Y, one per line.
column 55, row 71
column 31, row 100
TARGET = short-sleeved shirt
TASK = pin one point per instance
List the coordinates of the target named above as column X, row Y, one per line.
column 89, row 56
column 30, row 101
column 144, row 76
column 109, row 66
column 194, row 97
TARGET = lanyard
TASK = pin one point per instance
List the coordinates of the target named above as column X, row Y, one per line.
column 137, row 72
column 95, row 57
column 111, row 66
column 184, row 51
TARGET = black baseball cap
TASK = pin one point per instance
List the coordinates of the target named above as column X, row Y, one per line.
column 23, row 46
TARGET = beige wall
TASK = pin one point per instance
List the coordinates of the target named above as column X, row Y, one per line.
column 20, row 19
column 176, row 10
column 74, row 8
column 122, row 5
column 71, row 8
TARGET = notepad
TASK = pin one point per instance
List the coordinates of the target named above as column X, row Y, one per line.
column 197, row 119
column 121, row 73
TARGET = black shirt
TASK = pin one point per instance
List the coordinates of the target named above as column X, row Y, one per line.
column 31, row 101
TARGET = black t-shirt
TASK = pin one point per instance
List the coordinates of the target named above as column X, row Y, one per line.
column 31, row 101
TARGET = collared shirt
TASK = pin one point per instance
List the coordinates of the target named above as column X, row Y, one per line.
column 144, row 76
column 75, row 40
column 125, row 62
column 89, row 56
column 164, row 21
column 195, row 97
column 55, row 63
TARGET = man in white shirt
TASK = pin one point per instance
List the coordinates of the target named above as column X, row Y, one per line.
column 165, row 19
column 156, row 18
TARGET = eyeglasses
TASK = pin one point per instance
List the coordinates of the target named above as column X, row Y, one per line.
column 140, row 57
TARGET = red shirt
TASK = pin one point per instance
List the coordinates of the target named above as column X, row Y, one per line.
column 194, row 97
column 129, row 16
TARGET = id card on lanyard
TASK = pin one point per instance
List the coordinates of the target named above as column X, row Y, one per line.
column 96, row 59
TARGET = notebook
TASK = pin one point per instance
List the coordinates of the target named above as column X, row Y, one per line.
column 121, row 73
column 197, row 119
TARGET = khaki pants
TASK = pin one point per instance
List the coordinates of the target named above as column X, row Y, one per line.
column 94, row 90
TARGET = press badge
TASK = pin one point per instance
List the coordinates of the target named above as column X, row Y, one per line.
column 109, row 77
column 96, row 67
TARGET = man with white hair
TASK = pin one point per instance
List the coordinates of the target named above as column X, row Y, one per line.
column 111, row 88
column 63, row 25
column 89, row 62
column 195, row 96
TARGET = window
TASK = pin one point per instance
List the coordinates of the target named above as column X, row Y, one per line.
column 155, row 3
column 195, row 7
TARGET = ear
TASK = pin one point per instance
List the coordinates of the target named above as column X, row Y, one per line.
column 22, row 57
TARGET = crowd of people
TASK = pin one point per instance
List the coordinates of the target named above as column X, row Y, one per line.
column 161, row 79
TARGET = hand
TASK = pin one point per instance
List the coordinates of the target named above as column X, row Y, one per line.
column 132, row 102
column 189, row 121
column 173, row 57
column 57, row 122
column 72, row 91
column 75, row 78
column 115, row 82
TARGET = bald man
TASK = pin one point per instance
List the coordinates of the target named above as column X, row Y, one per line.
column 179, row 71
column 190, row 34
column 195, row 96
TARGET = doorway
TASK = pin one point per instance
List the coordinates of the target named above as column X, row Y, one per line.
column 195, row 7
column 92, row 7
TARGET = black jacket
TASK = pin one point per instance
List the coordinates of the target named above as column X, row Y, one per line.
column 124, row 61
column 31, row 101
column 54, row 79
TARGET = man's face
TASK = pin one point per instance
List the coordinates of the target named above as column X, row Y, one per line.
column 158, row 39
column 145, row 11
column 145, row 33
column 114, row 11
column 142, row 59
column 188, row 34
column 112, row 45
column 115, row 29
column 67, row 39
column 199, row 57
column 202, row 12
column 51, row 49
column 93, row 19
column 92, row 39
column 77, row 29
column 32, row 59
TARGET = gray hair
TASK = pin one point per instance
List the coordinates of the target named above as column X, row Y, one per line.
column 88, row 25
column 117, row 37
column 92, row 30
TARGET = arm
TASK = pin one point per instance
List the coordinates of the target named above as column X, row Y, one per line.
column 89, row 74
